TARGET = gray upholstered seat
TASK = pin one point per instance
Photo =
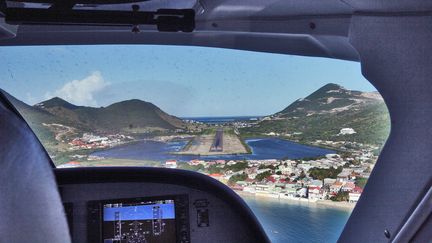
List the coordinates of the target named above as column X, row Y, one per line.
column 30, row 205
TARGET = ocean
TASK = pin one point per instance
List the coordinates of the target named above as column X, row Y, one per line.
column 293, row 221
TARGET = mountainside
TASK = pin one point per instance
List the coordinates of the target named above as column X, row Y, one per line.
column 127, row 116
column 322, row 115
column 131, row 116
column 57, row 122
column 56, row 102
column 33, row 115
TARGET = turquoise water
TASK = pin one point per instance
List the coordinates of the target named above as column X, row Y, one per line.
column 292, row 221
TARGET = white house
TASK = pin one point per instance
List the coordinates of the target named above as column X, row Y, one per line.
column 336, row 187
column 171, row 164
column 344, row 175
column 302, row 192
column 347, row 131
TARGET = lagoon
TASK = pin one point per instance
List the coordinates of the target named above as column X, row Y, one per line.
column 262, row 148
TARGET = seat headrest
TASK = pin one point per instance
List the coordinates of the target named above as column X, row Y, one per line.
column 30, row 204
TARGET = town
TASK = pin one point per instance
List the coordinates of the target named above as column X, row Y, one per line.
column 331, row 178
column 336, row 177
column 92, row 141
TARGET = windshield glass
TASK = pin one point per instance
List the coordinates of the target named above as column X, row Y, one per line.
column 296, row 137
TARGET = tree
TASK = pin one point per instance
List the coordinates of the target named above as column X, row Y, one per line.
column 320, row 174
column 302, row 175
column 238, row 177
column 340, row 197
column 238, row 166
column 361, row 182
column 214, row 169
column 263, row 175
column 186, row 166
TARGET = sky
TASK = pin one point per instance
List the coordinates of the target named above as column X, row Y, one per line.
column 182, row 81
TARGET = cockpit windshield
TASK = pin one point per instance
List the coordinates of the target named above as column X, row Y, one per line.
column 297, row 137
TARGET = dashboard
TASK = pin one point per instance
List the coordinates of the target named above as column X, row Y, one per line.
column 130, row 205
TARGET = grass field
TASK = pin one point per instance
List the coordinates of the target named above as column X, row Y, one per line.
column 120, row 162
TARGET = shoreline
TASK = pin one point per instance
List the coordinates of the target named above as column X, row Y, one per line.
column 304, row 202
column 311, row 144
column 184, row 153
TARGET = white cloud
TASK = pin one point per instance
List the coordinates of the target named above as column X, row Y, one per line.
column 81, row 92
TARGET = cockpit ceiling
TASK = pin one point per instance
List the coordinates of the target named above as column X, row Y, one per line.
column 253, row 9
column 213, row 8
column 309, row 28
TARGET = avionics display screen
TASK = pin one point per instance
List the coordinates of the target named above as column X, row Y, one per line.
column 144, row 221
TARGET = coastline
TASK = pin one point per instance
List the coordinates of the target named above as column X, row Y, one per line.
column 252, row 136
column 329, row 203
column 304, row 202
column 181, row 152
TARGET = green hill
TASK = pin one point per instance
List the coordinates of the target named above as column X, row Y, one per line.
column 56, row 121
column 321, row 116
column 56, row 102
column 131, row 116
column 36, row 117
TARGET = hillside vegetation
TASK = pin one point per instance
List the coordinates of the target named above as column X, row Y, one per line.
column 131, row 116
column 321, row 116
column 56, row 121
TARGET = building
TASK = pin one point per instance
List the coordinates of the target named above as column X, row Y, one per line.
column 302, row 192
column 348, row 186
column 346, row 131
column 220, row 162
column 336, row 187
column 171, row 164
column 285, row 170
column 196, row 162
column 329, row 181
column 218, row 177
column 345, row 175
column 290, row 191
column 317, row 183
column 316, row 193
column 231, row 162
column 355, row 194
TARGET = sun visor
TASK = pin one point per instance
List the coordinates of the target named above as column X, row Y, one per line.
column 101, row 13
column 112, row 5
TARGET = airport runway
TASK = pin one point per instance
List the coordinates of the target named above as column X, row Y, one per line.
column 217, row 145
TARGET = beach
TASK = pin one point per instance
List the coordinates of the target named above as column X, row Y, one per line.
column 302, row 201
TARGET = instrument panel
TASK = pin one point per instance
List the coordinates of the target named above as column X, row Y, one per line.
column 133, row 220
column 135, row 210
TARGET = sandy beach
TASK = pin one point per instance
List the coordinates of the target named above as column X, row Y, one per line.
column 320, row 203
